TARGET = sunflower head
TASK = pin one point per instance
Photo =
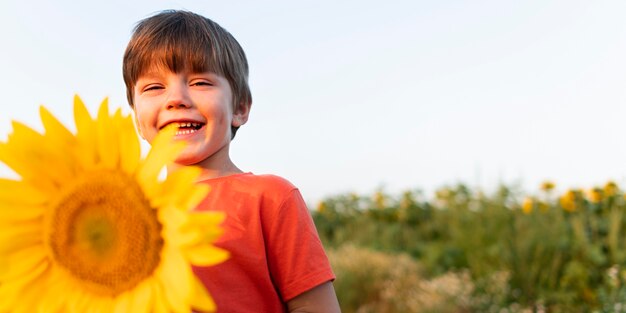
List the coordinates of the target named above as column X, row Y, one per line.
column 91, row 219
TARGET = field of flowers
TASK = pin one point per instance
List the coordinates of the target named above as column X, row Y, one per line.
column 466, row 251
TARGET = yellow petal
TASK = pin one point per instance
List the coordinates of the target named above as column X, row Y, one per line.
column 122, row 303
column 55, row 129
column 129, row 146
column 206, row 218
column 17, row 192
column 181, row 239
column 207, row 222
column 160, row 303
column 85, row 135
column 173, row 219
column 194, row 197
column 164, row 151
column 59, row 142
column 82, row 118
column 21, row 132
column 78, row 302
column 191, row 228
column 35, row 158
column 23, row 262
column 176, row 274
column 12, row 292
column 99, row 304
column 108, row 146
column 20, row 236
column 15, row 160
column 141, row 298
column 25, row 153
column 179, row 189
column 50, row 301
column 20, row 202
column 29, row 296
column 19, row 213
column 205, row 255
column 201, row 299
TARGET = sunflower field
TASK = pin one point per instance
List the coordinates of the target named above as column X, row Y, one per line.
column 466, row 251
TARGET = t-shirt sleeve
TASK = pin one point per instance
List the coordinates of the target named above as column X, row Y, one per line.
column 296, row 257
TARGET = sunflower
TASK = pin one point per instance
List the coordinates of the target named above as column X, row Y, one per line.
column 90, row 227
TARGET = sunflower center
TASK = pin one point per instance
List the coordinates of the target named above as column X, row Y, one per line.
column 104, row 233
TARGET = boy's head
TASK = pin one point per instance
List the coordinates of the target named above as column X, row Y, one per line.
column 182, row 41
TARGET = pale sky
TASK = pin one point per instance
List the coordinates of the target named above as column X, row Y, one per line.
column 351, row 96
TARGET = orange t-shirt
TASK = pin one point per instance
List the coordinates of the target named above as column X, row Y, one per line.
column 275, row 251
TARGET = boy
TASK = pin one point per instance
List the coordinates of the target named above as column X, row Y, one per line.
column 181, row 68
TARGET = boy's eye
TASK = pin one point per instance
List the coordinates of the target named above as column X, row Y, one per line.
column 201, row 83
column 151, row 87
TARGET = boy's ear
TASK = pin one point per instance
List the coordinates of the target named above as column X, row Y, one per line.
column 240, row 116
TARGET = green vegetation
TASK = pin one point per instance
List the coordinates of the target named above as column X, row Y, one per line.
column 465, row 251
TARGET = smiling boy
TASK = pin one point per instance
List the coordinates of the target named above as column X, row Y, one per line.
column 183, row 69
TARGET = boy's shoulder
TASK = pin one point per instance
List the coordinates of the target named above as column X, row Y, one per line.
column 261, row 183
column 251, row 190
column 274, row 181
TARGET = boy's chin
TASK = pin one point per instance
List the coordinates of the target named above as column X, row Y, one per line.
column 183, row 160
column 189, row 158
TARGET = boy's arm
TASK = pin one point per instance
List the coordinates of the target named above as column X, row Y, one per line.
column 320, row 299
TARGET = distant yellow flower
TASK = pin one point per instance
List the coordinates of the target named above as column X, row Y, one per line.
column 354, row 197
column 407, row 200
column 322, row 207
column 547, row 185
column 527, row 205
column 443, row 194
column 89, row 227
column 380, row 200
column 568, row 201
column 480, row 195
column 595, row 195
column 610, row 189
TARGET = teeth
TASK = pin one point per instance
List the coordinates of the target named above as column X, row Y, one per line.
column 186, row 131
column 188, row 124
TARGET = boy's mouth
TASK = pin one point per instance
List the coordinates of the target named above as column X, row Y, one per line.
column 188, row 128
column 185, row 128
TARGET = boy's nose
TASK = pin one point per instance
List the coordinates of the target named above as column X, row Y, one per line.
column 177, row 99
column 177, row 105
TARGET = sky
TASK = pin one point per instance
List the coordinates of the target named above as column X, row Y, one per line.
column 357, row 96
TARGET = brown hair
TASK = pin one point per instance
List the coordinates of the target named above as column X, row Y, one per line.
column 185, row 41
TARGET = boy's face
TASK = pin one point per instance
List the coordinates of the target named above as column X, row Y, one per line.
column 200, row 104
